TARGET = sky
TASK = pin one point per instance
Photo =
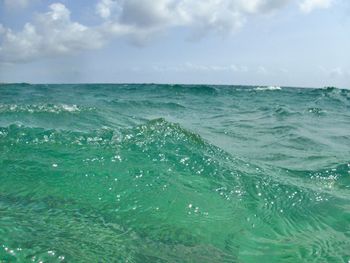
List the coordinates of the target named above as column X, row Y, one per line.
column 304, row 43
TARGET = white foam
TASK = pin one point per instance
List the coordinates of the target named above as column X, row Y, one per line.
column 269, row 88
column 70, row 108
column 34, row 108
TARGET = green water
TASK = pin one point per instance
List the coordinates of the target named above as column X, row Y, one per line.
column 172, row 173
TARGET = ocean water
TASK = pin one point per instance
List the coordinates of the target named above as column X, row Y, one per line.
column 174, row 173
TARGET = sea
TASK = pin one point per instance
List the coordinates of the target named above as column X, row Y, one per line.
column 174, row 173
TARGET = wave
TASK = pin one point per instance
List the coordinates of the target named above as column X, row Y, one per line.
column 158, row 135
column 193, row 89
column 317, row 111
column 269, row 88
column 332, row 94
column 146, row 104
column 42, row 108
column 127, row 180
column 172, row 172
column 20, row 135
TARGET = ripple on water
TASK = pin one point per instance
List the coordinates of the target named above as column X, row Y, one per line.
column 125, row 183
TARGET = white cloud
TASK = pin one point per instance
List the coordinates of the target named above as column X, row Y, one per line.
column 104, row 8
column 211, row 15
column 309, row 5
column 54, row 33
column 50, row 34
column 188, row 66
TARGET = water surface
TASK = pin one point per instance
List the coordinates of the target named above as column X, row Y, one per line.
column 174, row 173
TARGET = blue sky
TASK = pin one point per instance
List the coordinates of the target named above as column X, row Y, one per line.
column 253, row 42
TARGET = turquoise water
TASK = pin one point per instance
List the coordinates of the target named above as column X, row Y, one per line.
column 174, row 173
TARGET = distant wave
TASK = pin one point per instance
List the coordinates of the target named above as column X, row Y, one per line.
column 146, row 104
column 269, row 88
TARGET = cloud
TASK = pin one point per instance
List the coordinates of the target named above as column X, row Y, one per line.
column 54, row 33
column 105, row 8
column 211, row 15
column 307, row 6
column 191, row 67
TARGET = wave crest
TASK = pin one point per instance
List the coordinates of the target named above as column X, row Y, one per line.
column 269, row 88
column 41, row 108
